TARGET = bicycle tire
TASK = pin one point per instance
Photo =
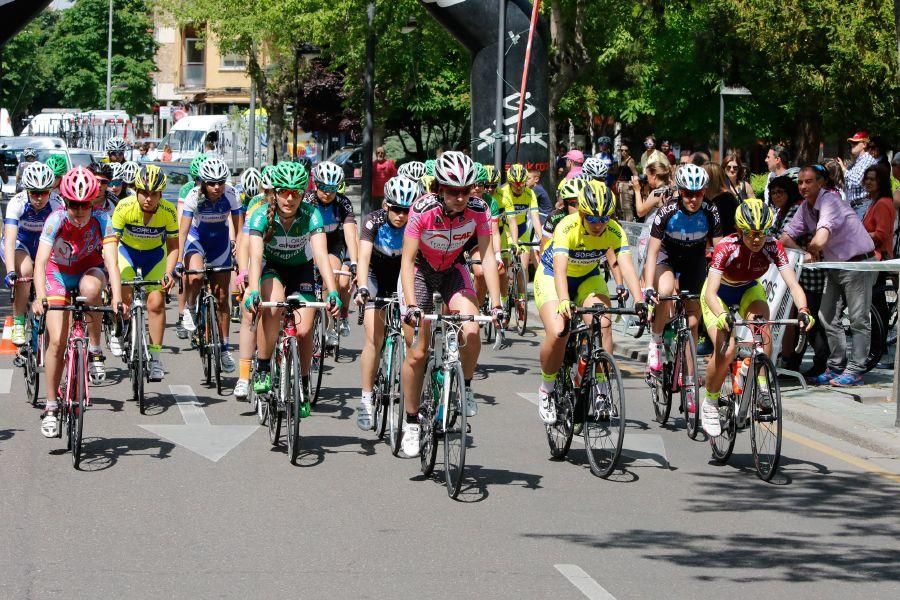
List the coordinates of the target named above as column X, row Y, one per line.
column 275, row 415
column 521, row 307
column 765, row 430
column 381, row 393
column 661, row 394
column 337, row 346
column 559, row 435
column 138, row 367
column 318, row 356
column 216, row 343
column 77, row 405
column 512, row 292
column 689, row 356
column 30, row 368
column 203, row 343
column 607, row 425
column 398, row 408
column 456, row 433
column 723, row 445
column 877, row 339
column 427, row 439
column 487, row 329
column 64, row 402
column 290, row 385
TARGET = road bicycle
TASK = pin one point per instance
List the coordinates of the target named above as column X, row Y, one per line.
column 30, row 356
column 741, row 403
column 135, row 347
column 207, row 338
column 73, row 393
column 680, row 371
column 589, row 392
column 517, row 290
column 442, row 407
column 287, row 396
column 321, row 350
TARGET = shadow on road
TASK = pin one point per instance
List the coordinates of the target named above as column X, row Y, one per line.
column 99, row 454
column 478, row 480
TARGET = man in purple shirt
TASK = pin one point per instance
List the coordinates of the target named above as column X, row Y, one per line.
column 837, row 235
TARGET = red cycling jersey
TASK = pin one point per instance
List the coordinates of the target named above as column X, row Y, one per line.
column 738, row 264
column 442, row 239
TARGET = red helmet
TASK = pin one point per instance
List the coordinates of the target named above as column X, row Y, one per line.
column 79, row 185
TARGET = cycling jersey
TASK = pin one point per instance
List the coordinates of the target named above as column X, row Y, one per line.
column 185, row 190
column 252, row 206
column 209, row 234
column 76, row 249
column 334, row 216
column 291, row 247
column 128, row 223
column 22, row 214
column 738, row 264
column 498, row 215
column 553, row 220
column 585, row 251
column 442, row 238
column 387, row 246
column 685, row 235
column 518, row 206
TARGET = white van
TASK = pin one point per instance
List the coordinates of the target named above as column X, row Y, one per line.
column 51, row 122
column 191, row 134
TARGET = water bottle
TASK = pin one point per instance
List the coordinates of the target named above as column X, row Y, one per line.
column 436, row 391
column 580, row 366
column 740, row 376
column 668, row 340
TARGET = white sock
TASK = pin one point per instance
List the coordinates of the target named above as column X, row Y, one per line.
column 367, row 397
column 548, row 386
column 94, row 349
column 656, row 338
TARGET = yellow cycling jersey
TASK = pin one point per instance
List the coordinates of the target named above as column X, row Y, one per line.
column 518, row 206
column 585, row 251
column 128, row 223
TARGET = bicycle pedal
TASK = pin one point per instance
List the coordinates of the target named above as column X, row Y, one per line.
column 19, row 361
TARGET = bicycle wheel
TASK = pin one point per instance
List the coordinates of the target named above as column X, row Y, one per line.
column 215, row 341
column 397, row 410
column 661, row 393
column 521, row 308
column 76, row 407
column 456, row 433
column 381, row 393
column 203, row 334
column 689, row 363
column 318, row 356
column 559, row 435
column 137, row 361
column 765, row 426
column 30, row 367
column 723, row 445
column 487, row 329
column 275, row 415
column 427, row 406
column 604, row 417
column 292, row 395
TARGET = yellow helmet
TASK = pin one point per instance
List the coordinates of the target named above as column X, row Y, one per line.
column 754, row 215
column 516, row 173
column 150, row 178
column 570, row 188
column 493, row 175
column 596, row 200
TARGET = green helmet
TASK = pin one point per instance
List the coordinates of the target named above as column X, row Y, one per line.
column 195, row 165
column 429, row 167
column 481, row 174
column 267, row 177
column 290, row 176
column 58, row 164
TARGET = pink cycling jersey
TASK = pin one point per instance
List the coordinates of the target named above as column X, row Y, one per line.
column 76, row 249
column 738, row 264
column 442, row 238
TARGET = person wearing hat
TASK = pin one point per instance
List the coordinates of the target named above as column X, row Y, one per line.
column 854, row 191
column 29, row 155
column 574, row 160
column 651, row 154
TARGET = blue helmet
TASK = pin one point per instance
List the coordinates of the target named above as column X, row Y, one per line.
column 401, row 191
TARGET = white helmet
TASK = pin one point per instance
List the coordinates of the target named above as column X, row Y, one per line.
column 328, row 176
column 595, row 167
column 454, row 169
column 37, row 176
column 401, row 191
column 117, row 169
column 129, row 171
column 213, row 170
column 250, row 181
column 691, row 177
column 412, row 170
column 116, row 144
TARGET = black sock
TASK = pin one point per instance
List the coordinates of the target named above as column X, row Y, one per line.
column 304, row 379
column 263, row 365
column 412, row 417
column 468, row 383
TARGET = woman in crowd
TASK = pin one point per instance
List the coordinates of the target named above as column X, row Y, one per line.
column 879, row 222
column 720, row 194
column 737, row 176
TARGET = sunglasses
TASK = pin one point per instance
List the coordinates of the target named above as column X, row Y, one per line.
column 458, row 191
column 572, row 203
column 731, row 168
column 102, row 181
column 215, row 183
column 596, row 220
column 399, row 210
column 79, row 205
column 755, row 235
column 38, row 193
column 291, row 193
column 692, row 195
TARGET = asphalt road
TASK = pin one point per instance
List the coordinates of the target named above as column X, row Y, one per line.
column 149, row 518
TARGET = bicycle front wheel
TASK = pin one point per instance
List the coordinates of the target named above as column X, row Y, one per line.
column 661, row 393
column 137, row 360
column 292, row 396
column 215, row 341
column 765, row 419
column 455, row 428
column 203, row 343
column 77, row 402
column 30, row 366
column 723, row 445
column 559, row 435
column 428, row 404
column 690, row 386
column 318, row 356
column 604, row 418
column 396, row 410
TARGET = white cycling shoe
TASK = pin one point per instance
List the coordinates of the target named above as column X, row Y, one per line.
column 50, row 424
column 546, row 408
column 242, row 390
column 345, row 328
column 115, row 346
column 226, row 361
column 410, row 443
column 187, row 321
column 157, row 373
column 653, row 359
column 471, row 405
column 709, row 413
column 364, row 413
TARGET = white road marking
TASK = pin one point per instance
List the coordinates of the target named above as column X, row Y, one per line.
column 6, row 376
column 191, row 411
column 584, row 582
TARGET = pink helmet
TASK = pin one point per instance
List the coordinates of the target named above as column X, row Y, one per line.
column 576, row 156
column 454, row 169
column 79, row 185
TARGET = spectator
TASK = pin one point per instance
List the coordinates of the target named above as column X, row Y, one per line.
column 560, row 161
column 777, row 161
column 737, row 177
column 383, row 169
column 837, row 235
column 606, row 157
column 699, row 158
column 879, row 218
column 659, row 180
column 666, row 149
column 545, row 204
column 836, row 175
column 651, row 154
column 624, row 186
column 574, row 160
column 29, row 155
column 718, row 193
column 685, row 158
column 895, row 171
column 785, row 198
column 167, row 153
column 853, row 189
column 143, row 152
column 877, row 148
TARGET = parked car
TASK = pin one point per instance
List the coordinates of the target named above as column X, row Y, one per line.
column 178, row 174
column 350, row 159
column 11, row 148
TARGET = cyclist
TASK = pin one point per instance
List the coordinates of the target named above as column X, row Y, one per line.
column 59, row 165
column 146, row 230
column 738, row 261
column 567, row 193
column 248, row 188
column 604, row 142
column 75, row 246
column 194, row 179
column 285, row 239
column 116, row 185
column 413, row 170
column 520, row 204
column 105, row 200
column 481, row 180
column 25, row 217
column 204, row 239
column 115, row 150
column 427, row 180
column 29, row 156
column 381, row 243
column 437, row 231
column 128, row 173
column 595, row 168
column 339, row 223
column 570, row 276
column 676, row 253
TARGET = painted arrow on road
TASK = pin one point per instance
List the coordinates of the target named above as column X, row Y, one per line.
column 197, row 434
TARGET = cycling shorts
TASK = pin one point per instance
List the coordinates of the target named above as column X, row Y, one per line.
column 296, row 279
column 741, row 296
column 59, row 284
column 152, row 264
column 220, row 256
column 579, row 287
column 450, row 283
column 382, row 283
column 690, row 270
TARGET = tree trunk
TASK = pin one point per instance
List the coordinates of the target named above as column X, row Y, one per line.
column 807, row 139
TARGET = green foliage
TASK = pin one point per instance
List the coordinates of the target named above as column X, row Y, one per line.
column 24, row 72
column 759, row 181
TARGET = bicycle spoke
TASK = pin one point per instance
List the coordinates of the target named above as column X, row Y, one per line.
column 765, row 419
column 456, row 433
column 604, row 416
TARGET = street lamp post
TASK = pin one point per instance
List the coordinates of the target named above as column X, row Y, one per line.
column 725, row 90
column 369, row 112
column 499, row 133
column 109, row 57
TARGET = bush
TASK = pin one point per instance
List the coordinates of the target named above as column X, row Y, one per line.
column 758, row 183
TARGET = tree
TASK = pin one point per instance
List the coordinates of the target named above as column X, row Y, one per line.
column 24, row 69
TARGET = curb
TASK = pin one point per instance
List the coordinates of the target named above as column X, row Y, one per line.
column 829, row 424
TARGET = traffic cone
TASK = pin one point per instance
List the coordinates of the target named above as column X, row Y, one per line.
column 6, row 345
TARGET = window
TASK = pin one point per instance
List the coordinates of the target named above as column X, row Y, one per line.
column 194, row 59
column 232, row 61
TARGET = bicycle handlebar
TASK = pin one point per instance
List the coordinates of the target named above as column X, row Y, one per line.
column 207, row 270
column 12, row 290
